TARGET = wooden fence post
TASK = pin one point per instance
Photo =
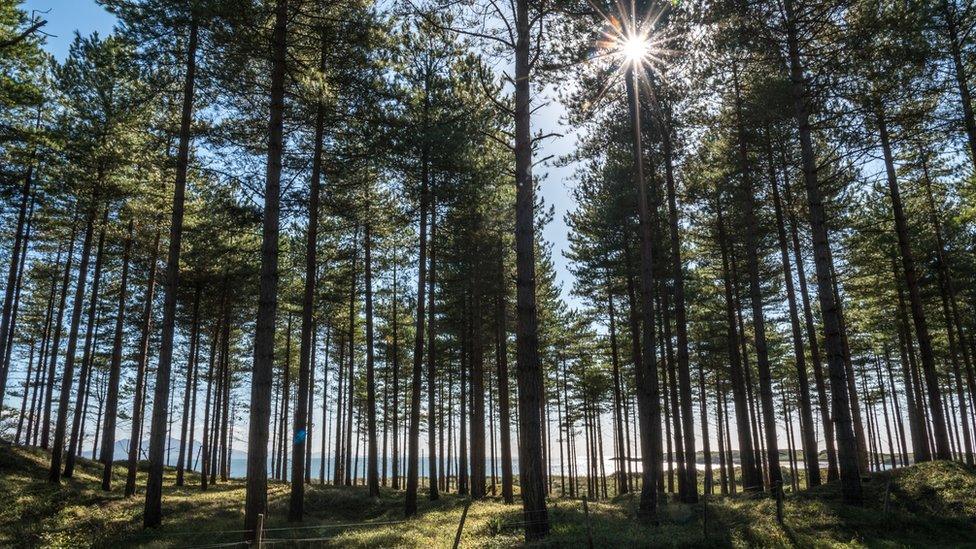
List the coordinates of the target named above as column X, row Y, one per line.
column 259, row 532
column 464, row 514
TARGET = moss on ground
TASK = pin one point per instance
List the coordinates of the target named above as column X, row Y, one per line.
column 928, row 505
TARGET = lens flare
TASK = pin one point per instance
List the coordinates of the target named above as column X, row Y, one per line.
column 634, row 48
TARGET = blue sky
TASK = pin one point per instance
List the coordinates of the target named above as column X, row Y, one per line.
column 86, row 16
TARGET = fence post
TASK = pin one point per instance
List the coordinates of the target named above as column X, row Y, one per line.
column 464, row 514
column 779, row 502
column 586, row 517
column 259, row 532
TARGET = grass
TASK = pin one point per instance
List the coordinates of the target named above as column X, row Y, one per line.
column 929, row 505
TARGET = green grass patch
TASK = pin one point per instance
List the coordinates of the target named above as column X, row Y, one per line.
column 928, row 505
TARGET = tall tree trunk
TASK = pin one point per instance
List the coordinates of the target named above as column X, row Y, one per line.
column 6, row 326
column 386, row 424
column 902, row 441
column 942, row 450
column 84, row 375
column 21, row 264
column 153, row 513
column 310, row 408
column 671, row 395
column 115, row 370
column 811, row 458
column 884, row 409
column 755, row 298
column 689, row 486
column 23, row 401
column 818, row 376
column 395, row 458
column 300, row 439
column 529, row 370
column 950, row 312
column 56, row 344
column 751, row 477
column 413, row 459
column 257, row 457
column 205, row 442
column 648, row 388
column 37, row 396
column 463, row 401
column 621, row 474
column 351, row 389
column 57, row 448
column 191, row 367
column 859, row 436
column 135, row 437
column 225, row 401
column 98, row 417
column 706, row 443
column 193, row 402
column 325, row 404
column 372, row 465
column 829, row 309
column 281, row 469
column 504, row 407
column 431, row 351
column 723, row 476
column 477, row 397
column 338, row 472
column 916, row 416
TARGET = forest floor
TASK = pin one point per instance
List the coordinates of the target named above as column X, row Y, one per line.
column 929, row 505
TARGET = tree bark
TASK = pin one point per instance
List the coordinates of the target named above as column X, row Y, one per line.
column 57, row 449
column 755, row 298
column 689, row 487
column 431, row 352
column 504, row 406
column 115, row 370
column 153, row 513
column 477, row 398
column 56, row 343
column 6, row 326
column 648, row 388
column 751, row 477
column 529, row 370
column 188, row 393
column 818, row 376
column 257, row 457
column 395, row 412
column 84, row 375
column 300, row 440
column 942, row 450
column 830, row 309
column 413, row 458
column 811, row 457
column 950, row 312
column 372, row 465
column 621, row 474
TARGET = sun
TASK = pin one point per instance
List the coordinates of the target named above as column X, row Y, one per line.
column 634, row 48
